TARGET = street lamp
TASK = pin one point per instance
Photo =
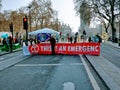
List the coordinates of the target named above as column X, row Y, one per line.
column 119, row 28
column 11, row 39
column 57, row 25
column 119, row 35
column 29, row 17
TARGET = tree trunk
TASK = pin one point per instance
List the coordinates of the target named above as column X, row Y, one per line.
column 113, row 32
column 36, row 26
column 41, row 23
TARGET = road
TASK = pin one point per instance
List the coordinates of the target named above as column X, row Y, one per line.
column 111, row 53
column 11, row 55
column 51, row 72
column 46, row 72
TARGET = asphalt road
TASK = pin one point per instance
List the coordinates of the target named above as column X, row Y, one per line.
column 46, row 72
column 111, row 53
column 11, row 55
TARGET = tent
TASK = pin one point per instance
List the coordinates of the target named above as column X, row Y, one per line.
column 44, row 30
column 4, row 34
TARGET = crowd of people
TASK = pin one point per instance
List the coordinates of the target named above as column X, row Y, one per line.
column 95, row 38
column 8, row 42
column 84, row 38
column 72, row 39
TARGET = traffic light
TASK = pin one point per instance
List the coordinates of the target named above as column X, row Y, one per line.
column 11, row 27
column 25, row 23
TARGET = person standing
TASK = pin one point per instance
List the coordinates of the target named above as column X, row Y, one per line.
column 84, row 32
column 89, row 39
column 84, row 35
column 71, row 39
column 75, row 39
column 10, row 43
column 99, row 38
column 52, row 42
column 4, row 41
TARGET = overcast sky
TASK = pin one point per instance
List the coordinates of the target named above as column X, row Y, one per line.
column 65, row 10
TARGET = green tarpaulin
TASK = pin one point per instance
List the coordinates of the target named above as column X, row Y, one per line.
column 7, row 47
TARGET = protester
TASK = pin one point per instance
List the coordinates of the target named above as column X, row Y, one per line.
column 75, row 39
column 99, row 38
column 84, row 35
column 31, row 40
column 68, row 39
column 35, row 40
column 0, row 40
column 10, row 43
column 95, row 39
column 4, row 41
column 71, row 39
column 84, row 32
column 53, row 42
column 89, row 39
column 16, row 40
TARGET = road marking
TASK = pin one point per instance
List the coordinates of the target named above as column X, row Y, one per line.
column 35, row 65
column 68, row 86
column 93, row 81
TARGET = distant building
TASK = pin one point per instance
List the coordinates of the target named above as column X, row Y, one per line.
column 92, row 31
column 65, row 30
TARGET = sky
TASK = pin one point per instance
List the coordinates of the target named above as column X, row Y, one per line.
column 65, row 9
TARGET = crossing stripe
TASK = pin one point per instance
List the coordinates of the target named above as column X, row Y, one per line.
column 36, row 65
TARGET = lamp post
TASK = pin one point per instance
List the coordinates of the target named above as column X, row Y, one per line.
column 119, row 26
column 119, row 35
column 11, row 39
column 25, row 26
column 29, row 17
column 57, row 25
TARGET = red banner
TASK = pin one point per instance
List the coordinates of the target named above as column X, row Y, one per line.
column 66, row 48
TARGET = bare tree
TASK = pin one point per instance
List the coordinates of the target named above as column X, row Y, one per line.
column 4, row 25
column 106, row 25
column 106, row 9
column 0, row 4
column 85, row 15
column 41, row 13
column 16, row 19
column 83, row 9
column 34, row 13
column 0, row 15
column 8, row 16
column 109, row 10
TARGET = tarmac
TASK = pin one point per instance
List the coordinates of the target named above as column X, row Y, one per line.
column 11, row 61
column 108, row 72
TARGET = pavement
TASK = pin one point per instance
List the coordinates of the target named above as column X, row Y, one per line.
column 3, row 53
column 112, row 44
column 11, row 61
column 108, row 72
